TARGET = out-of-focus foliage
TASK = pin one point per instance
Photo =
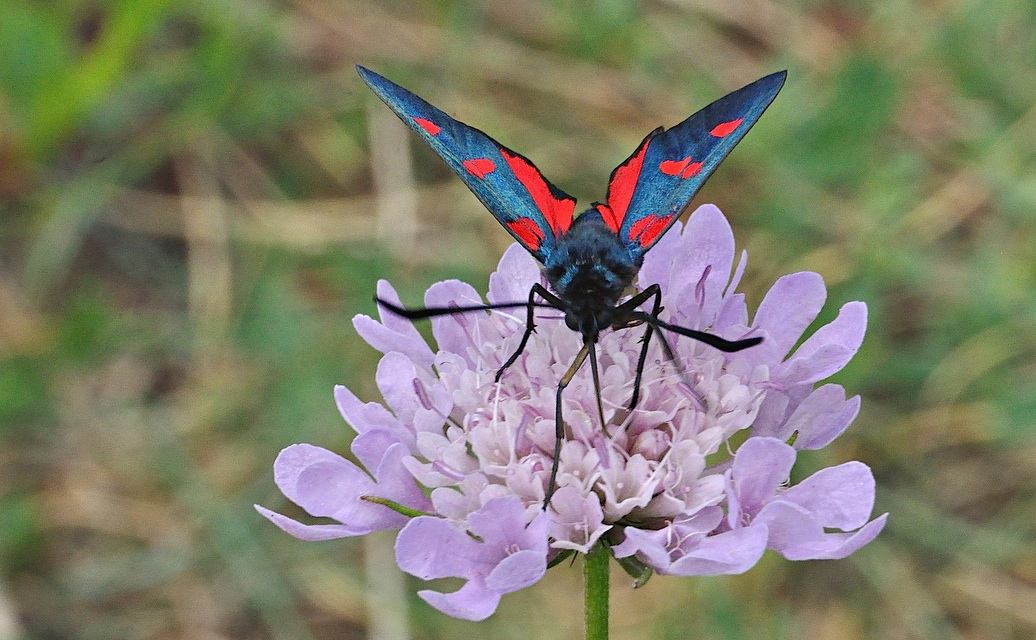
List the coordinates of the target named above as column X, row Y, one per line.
column 196, row 197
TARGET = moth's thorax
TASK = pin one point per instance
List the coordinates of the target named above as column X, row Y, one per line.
column 590, row 269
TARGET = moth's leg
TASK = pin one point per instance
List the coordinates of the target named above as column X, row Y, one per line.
column 634, row 302
column 530, row 325
column 559, row 423
column 597, row 381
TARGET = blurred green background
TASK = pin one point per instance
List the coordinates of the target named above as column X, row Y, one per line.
column 196, row 197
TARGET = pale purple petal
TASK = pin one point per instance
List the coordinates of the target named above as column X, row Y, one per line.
column 429, row 547
column 474, row 601
column 830, row 348
column 395, row 378
column 327, row 485
column 366, row 416
column 658, row 548
column 840, row 496
column 739, row 272
column 421, row 405
column 512, row 279
column 308, row 532
column 821, row 417
column 835, row 546
column 508, row 555
column 797, row 535
column 790, row 305
column 729, row 553
column 517, row 571
column 452, row 332
column 395, row 483
column 773, row 414
column 789, row 525
column 578, row 521
column 828, row 359
column 837, row 497
column 680, row 258
column 320, row 481
column 391, row 321
column 370, row 447
column 650, row 546
column 502, row 522
column 711, row 245
column 734, row 312
column 393, row 333
column 760, row 466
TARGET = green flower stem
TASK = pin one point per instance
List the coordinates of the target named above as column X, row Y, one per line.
column 395, row 506
column 595, row 584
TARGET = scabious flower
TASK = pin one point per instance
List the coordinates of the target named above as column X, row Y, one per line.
column 461, row 463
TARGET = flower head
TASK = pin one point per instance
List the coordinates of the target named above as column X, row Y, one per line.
column 461, row 463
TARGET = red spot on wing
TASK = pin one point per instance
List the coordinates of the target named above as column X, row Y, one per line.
column 725, row 129
column 639, row 226
column 683, row 168
column 429, row 126
column 692, row 169
column 657, row 226
column 621, row 186
column 527, row 231
column 673, row 167
column 480, row 167
column 555, row 207
column 648, row 228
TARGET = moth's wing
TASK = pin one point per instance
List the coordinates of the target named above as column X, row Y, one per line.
column 648, row 192
column 532, row 209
